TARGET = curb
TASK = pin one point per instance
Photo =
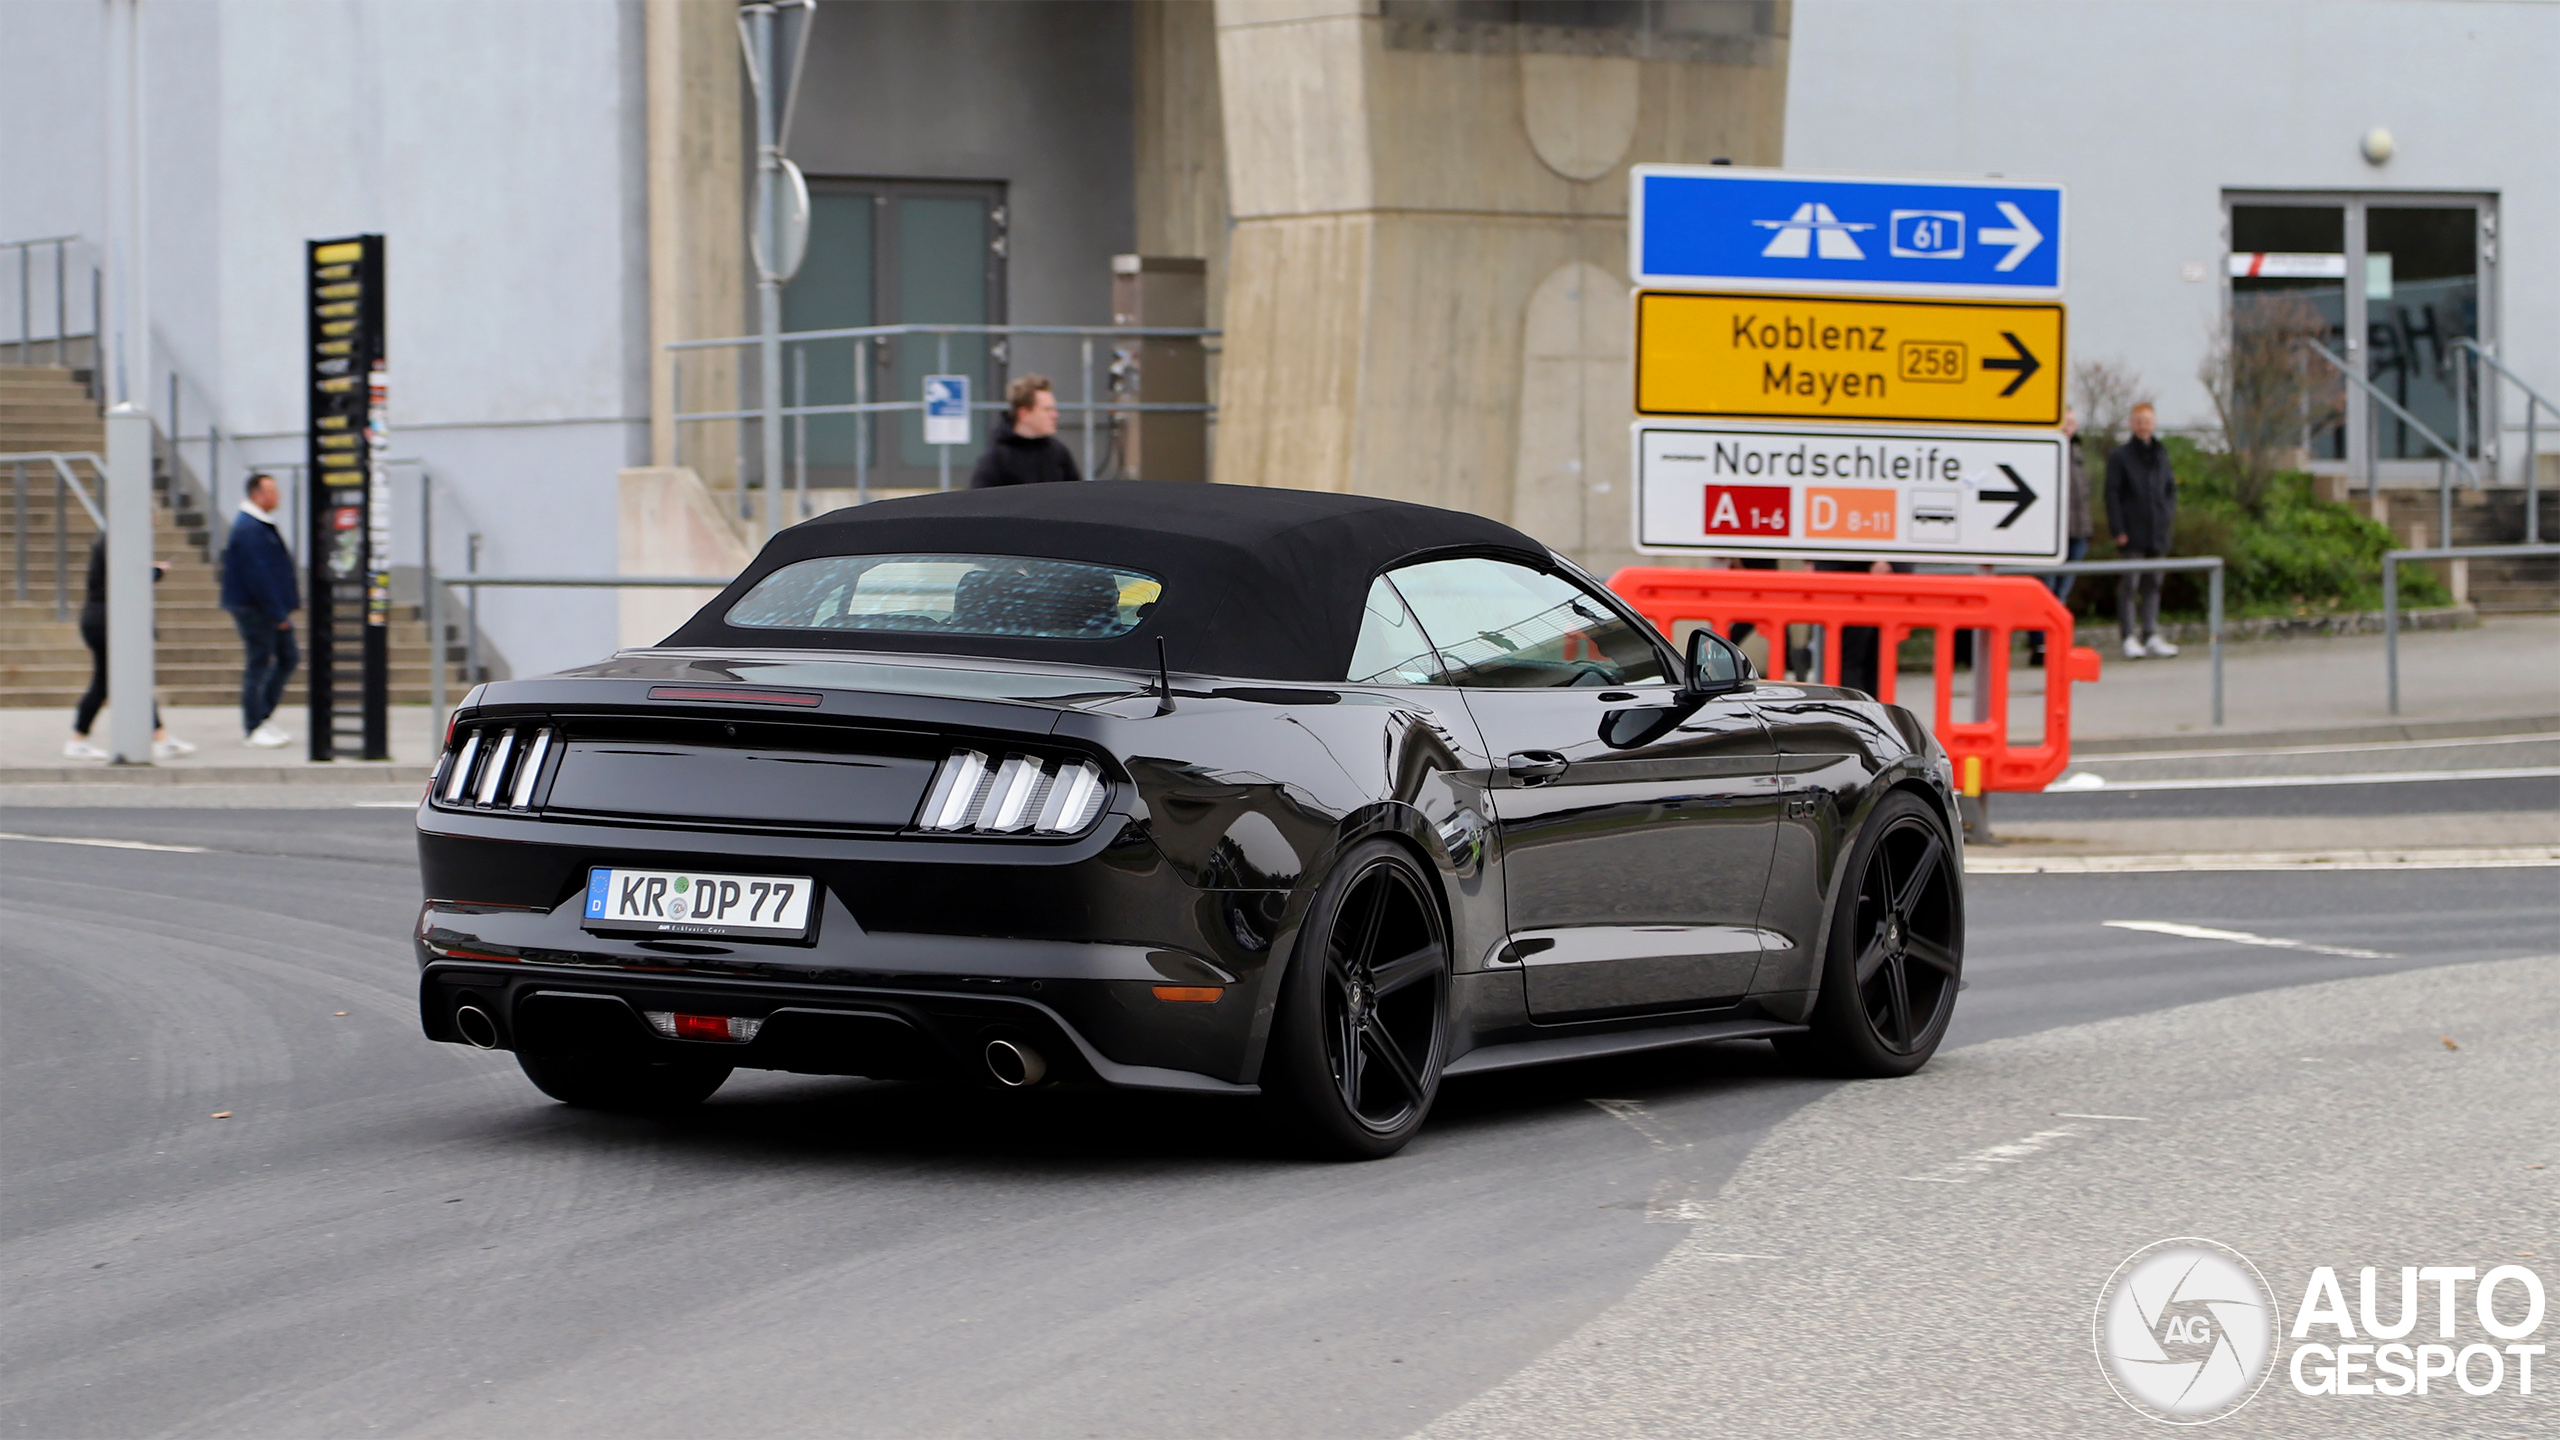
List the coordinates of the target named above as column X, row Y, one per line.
column 351, row 773
column 2335, row 735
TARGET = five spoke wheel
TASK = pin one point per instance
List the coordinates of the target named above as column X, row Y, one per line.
column 1363, row 1015
column 1896, row 952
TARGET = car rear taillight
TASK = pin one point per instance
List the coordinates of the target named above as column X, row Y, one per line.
column 1015, row 795
column 496, row 768
column 727, row 1029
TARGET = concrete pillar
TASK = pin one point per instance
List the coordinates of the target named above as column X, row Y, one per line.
column 697, row 229
column 130, row 671
column 1404, row 185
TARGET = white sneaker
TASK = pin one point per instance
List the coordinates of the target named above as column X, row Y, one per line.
column 82, row 750
column 268, row 737
column 170, row 749
column 2161, row 647
column 2133, row 648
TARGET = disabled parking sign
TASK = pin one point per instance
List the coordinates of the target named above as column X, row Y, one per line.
column 946, row 409
column 1720, row 227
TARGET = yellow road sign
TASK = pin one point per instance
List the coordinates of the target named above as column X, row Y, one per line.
column 1812, row 357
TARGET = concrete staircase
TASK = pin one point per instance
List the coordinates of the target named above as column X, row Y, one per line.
column 2485, row 517
column 42, row 662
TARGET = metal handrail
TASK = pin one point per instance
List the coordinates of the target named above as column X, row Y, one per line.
column 2391, row 594
column 61, row 336
column 2444, row 486
column 2533, row 406
column 2213, row 594
column 63, row 481
column 61, row 462
column 595, row 582
column 884, row 332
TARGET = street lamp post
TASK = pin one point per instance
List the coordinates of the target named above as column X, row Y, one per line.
column 773, row 32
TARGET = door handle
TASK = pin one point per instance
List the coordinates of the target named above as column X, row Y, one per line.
column 1534, row 767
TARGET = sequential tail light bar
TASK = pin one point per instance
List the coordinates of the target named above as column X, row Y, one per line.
column 497, row 767
column 975, row 793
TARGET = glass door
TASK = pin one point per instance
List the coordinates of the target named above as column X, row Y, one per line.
column 2421, row 293
column 892, row 252
column 2295, row 252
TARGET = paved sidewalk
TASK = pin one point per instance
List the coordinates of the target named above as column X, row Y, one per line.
column 31, row 751
column 2508, row 666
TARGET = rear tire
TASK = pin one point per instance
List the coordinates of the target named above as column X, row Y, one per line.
column 1362, row 1022
column 623, row 1085
column 1895, row 957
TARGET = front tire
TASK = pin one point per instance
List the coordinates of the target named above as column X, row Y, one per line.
column 1363, row 1017
column 1896, row 953
column 623, row 1085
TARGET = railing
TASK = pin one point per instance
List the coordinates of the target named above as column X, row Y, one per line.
column 1088, row 406
column 2534, row 405
column 2391, row 594
column 2211, row 564
column 64, row 271
column 65, row 486
column 2444, row 478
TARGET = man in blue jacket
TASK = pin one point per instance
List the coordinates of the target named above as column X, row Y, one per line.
column 259, row 590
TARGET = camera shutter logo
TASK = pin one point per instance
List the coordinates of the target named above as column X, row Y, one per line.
column 2186, row 1330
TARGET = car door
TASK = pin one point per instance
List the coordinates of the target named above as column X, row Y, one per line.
column 1632, row 872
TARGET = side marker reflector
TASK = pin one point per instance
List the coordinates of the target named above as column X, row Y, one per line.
column 1190, row 994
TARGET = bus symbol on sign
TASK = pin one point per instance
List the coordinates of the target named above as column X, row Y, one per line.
column 1928, row 234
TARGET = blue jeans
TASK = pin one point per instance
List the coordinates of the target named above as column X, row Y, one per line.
column 271, row 658
column 2078, row 552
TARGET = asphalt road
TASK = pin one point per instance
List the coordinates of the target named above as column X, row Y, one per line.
column 391, row 1236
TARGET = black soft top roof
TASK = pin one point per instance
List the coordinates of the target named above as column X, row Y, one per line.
column 1258, row 583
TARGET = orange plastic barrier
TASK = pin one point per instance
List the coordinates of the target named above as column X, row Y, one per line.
column 1897, row 605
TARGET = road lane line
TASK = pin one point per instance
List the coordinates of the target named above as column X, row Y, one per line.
column 2482, row 857
column 2084, row 783
column 2070, row 1115
column 103, row 844
column 2243, row 937
column 2134, row 757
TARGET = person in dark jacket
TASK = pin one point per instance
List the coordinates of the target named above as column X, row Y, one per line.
column 259, row 589
column 93, row 633
column 2142, row 510
column 1025, row 449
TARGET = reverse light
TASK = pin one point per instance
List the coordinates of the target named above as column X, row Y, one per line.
column 727, row 1029
column 976, row 793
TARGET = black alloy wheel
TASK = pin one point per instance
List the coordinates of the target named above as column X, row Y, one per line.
column 1896, row 956
column 629, row 1086
column 1363, row 1023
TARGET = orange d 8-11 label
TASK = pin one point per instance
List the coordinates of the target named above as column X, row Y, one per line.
column 1811, row 357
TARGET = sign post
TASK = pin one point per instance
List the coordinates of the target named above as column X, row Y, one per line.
column 349, row 549
column 1848, row 367
column 946, row 416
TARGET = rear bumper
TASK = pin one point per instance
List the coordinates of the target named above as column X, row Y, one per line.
column 880, row 1031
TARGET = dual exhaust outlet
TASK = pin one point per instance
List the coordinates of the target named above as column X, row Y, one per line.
column 1014, row 1065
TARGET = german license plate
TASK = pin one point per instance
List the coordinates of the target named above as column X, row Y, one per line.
column 690, row 902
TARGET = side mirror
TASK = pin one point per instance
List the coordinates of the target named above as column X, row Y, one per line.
column 1716, row 666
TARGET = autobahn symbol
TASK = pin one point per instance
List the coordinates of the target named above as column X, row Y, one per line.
column 1732, row 228
column 1825, row 357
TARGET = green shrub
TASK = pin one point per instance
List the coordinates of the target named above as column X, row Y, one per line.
column 2296, row 554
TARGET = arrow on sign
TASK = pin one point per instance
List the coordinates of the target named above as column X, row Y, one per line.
column 2017, row 497
column 2020, row 234
column 2024, row 362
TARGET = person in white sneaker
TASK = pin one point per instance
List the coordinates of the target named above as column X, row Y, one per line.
column 2142, row 511
column 259, row 589
column 93, row 633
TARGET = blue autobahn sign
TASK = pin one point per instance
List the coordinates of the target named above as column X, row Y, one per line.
column 1698, row 226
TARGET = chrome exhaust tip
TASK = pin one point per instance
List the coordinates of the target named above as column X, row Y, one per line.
column 1015, row 1066
column 478, row 1030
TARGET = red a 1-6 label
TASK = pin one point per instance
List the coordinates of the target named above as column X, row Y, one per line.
column 1747, row 509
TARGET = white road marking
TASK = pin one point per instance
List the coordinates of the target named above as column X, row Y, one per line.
column 103, row 844
column 2243, row 937
column 2480, row 857
column 385, row 804
column 2137, row 1119
column 1963, row 1170
column 2137, row 757
column 1641, row 1121
column 2083, row 782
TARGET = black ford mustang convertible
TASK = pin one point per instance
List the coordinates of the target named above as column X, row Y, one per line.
column 1201, row 788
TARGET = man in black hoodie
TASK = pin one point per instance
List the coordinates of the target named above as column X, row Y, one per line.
column 1025, row 449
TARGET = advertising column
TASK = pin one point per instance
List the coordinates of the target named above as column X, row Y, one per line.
column 350, row 540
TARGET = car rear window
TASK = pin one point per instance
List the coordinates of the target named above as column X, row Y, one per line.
column 951, row 595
